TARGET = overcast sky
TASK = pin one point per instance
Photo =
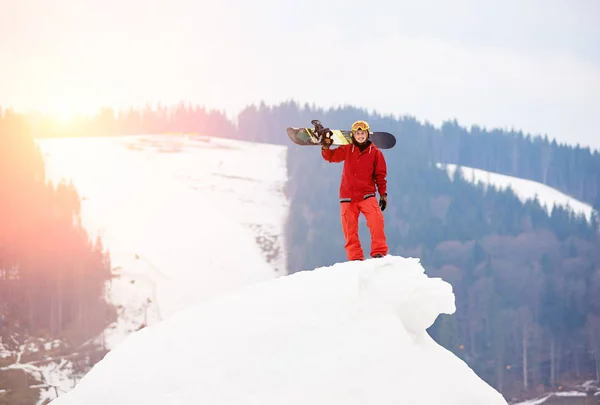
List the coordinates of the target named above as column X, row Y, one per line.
column 529, row 64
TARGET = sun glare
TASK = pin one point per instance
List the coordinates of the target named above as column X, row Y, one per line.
column 63, row 117
column 64, row 111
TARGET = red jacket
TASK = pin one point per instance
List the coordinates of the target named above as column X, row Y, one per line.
column 361, row 173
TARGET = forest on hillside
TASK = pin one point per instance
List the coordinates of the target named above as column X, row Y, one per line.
column 574, row 170
column 52, row 275
column 527, row 284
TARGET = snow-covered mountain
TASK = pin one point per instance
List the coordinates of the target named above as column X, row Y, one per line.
column 352, row 333
column 523, row 188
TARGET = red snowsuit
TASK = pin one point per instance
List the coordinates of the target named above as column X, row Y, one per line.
column 362, row 172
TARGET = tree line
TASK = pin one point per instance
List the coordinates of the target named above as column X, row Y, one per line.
column 574, row 170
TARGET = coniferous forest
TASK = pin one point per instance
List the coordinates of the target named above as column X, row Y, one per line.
column 51, row 274
column 527, row 281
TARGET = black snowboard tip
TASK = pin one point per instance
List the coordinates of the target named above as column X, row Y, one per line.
column 383, row 140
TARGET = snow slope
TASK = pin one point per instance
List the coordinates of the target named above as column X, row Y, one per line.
column 524, row 189
column 185, row 217
column 352, row 333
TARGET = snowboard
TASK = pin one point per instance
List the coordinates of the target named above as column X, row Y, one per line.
column 312, row 136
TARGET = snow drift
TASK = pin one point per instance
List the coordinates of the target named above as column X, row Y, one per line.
column 351, row 333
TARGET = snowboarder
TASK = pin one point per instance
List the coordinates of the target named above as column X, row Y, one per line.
column 364, row 173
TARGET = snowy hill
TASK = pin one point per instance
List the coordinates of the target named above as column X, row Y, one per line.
column 352, row 333
column 185, row 218
column 221, row 200
column 524, row 189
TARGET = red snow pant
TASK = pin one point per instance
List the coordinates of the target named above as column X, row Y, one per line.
column 370, row 209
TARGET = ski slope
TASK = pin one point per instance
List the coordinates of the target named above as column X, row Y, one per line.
column 351, row 333
column 524, row 189
column 185, row 217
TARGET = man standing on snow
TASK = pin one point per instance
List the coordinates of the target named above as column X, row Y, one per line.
column 364, row 169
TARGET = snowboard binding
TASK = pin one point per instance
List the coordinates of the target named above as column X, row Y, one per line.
column 321, row 132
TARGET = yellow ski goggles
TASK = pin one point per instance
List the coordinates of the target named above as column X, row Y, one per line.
column 360, row 125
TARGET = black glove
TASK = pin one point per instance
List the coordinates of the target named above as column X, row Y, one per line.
column 326, row 142
column 383, row 202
